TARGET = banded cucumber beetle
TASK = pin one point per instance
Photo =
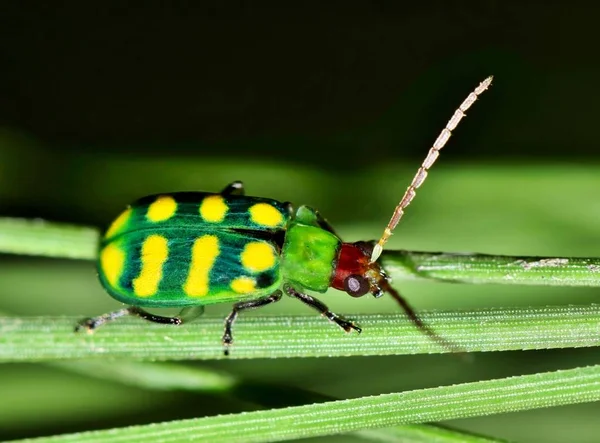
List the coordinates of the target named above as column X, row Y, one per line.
column 191, row 249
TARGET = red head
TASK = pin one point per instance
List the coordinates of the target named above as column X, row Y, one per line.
column 354, row 272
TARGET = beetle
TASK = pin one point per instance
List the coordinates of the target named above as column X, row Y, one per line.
column 192, row 249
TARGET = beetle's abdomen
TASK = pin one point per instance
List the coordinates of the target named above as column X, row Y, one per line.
column 176, row 253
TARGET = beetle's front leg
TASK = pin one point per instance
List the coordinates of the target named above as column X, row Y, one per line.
column 346, row 325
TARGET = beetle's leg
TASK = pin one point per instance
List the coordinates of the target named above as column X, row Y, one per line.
column 310, row 216
column 235, row 188
column 324, row 224
column 242, row 306
column 346, row 325
column 90, row 324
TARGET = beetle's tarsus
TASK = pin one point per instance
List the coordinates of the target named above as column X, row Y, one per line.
column 346, row 325
column 350, row 326
column 87, row 324
column 227, row 341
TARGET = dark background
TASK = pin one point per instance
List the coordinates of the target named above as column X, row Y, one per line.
column 333, row 104
column 359, row 82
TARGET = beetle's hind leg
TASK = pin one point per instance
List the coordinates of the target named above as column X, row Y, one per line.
column 186, row 314
column 346, row 325
column 92, row 323
column 235, row 188
column 242, row 306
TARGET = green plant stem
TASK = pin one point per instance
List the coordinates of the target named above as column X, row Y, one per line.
column 52, row 338
column 422, row 434
column 40, row 238
column 46, row 239
column 424, row 405
column 483, row 268
column 172, row 376
column 155, row 376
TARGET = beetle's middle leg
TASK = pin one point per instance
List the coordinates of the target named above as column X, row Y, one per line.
column 242, row 306
column 346, row 325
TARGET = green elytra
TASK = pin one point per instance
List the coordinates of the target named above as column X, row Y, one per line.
column 182, row 256
column 296, row 250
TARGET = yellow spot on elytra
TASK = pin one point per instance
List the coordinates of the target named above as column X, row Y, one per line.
column 112, row 260
column 266, row 215
column 118, row 223
column 213, row 208
column 204, row 253
column 243, row 285
column 155, row 251
column 258, row 256
column 163, row 208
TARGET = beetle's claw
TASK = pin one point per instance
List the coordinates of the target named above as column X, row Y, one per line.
column 87, row 324
column 227, row 341
column 349, row 326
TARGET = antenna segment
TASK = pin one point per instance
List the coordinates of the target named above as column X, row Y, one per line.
column 432, row 156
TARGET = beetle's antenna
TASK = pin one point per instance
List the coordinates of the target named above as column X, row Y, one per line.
column 432, row 156
column 414, row 318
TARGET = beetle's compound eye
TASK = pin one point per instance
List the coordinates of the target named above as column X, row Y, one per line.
column 356, row 285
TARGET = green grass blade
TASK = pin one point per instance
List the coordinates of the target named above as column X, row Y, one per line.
column 51, row 338
column 155, row 376
column 46, row 239
column 422, row 434
column 170, row 376
column 425, row 405
column 483, row 268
